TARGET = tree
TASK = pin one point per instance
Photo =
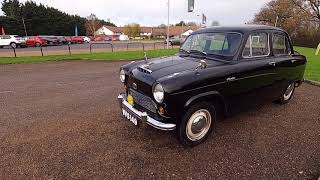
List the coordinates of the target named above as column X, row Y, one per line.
column 92, row 24
column 162, row 26
column 107, row 23
column 215, row 23
column 181, row 23
column 132, row 30
column 297, row 22
column 310, row 7
column 11, row 8
column 40, row 19
column 191, row 24
column 282, row 11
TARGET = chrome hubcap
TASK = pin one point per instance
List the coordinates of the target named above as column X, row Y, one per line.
column 288, row 92
column 198, row 125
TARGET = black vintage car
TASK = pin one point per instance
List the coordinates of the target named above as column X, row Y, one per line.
column 218, row 71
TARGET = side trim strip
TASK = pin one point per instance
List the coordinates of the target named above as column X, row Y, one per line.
column 200, row 88
column 248, row 77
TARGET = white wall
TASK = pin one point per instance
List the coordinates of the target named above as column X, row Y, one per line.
column 104, row 31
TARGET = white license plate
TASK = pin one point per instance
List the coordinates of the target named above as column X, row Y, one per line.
column 130, row 117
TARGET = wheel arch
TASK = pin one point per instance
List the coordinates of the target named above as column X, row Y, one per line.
column 212, row 97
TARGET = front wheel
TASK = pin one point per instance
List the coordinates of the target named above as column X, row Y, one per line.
column 287, row 95
column 197, row 124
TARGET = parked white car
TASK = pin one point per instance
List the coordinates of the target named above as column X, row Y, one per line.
column 86, row 39
column 12, row 40
column 124, row 38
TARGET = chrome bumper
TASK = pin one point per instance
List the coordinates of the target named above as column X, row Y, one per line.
column 144, row 116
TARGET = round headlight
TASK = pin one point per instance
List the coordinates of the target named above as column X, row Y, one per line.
column 158, row 93
column 122, row 76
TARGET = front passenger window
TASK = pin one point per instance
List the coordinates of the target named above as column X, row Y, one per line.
column 257, row 45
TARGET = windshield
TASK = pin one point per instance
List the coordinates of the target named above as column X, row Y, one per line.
column 225, row 44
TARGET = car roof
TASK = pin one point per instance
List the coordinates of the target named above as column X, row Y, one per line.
column 240, row 29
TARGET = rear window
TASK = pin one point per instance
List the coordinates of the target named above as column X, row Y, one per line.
column 280, row 44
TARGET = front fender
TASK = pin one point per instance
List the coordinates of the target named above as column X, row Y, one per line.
column 211, row 97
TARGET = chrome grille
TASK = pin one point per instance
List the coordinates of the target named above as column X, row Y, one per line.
column 143, row 101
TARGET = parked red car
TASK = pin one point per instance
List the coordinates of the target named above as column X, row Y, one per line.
column 77, row 40
column 107, row 38
column 35, row 41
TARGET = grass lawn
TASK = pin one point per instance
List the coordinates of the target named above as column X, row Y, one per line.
column 312, row 71
column 109, row 56
column 313, row 66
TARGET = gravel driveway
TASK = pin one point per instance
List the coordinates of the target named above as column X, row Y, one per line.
column 60, row 120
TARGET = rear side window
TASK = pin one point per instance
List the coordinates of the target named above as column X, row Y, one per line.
column 6, row 37
column 257, row 45
column 280, row 45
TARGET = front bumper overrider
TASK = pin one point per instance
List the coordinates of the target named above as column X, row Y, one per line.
column 144, row 117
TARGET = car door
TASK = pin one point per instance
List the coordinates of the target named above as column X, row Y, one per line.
column 6, row 40
column 254, row 76
column 287, row 64
column 1, row 41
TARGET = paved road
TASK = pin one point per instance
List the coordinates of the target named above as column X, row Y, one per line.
column 117, row 45
column 61, row 120
column 79, row 49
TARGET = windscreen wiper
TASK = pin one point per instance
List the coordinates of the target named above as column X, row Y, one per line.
column 197, row 51
column 217, row 59
column 185, row 52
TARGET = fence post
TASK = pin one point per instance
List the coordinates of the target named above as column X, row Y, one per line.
column 90, row 48
column 142, row 46
column 154, row 46
column 127, row 46
column 111, row 47
column 14, row 51
column 69, row 49
column 41, row 50
column 318, row 50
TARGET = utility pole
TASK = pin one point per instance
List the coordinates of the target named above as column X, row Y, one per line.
column 182, row 30
column 276, row 21
column 168, row 26
column 24, row 25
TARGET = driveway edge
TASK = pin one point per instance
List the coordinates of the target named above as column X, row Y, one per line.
column 314, row 83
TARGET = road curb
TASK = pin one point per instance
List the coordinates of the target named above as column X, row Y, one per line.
column 314, row 83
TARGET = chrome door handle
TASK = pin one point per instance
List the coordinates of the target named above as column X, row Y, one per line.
column 293, row 61
column 231, row 79
column 272, row 63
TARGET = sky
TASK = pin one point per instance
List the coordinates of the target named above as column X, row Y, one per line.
column 154, row 12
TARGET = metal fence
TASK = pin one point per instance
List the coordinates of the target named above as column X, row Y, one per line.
column 82, row 49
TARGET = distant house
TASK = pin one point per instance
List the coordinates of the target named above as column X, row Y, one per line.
column 149, row 32
column 110, row 31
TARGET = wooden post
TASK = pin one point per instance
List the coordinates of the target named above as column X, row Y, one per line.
column 318, row 50
column 14, row 51
column 69, row 49
column 41, row 50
